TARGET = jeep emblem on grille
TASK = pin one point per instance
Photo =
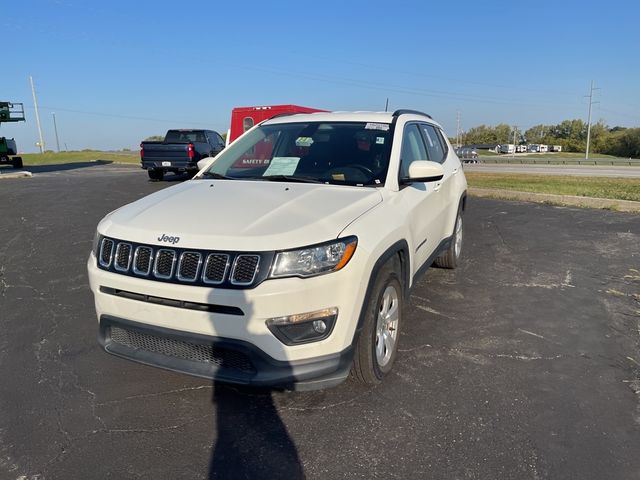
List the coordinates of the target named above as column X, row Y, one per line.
column 165, row 238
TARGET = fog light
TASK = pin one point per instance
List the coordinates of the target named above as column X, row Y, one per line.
column 303, row 327
column 319, row 326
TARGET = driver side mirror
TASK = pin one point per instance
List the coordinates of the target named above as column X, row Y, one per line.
column 424, row 171
column 205, row 162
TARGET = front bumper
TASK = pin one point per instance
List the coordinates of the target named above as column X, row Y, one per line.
column 233, row 320
column 220, row 359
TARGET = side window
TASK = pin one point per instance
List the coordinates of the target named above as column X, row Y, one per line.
column 412, row 149
column 435, row 146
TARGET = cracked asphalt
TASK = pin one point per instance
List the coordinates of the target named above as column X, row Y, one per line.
column 524, row 363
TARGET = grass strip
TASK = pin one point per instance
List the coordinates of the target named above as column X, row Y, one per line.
column 52, row 158
column 594, row 187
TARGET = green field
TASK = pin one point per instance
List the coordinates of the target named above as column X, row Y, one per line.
column 596, row 187
column 51, row 158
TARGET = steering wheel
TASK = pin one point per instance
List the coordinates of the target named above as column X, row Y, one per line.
column 360, row 172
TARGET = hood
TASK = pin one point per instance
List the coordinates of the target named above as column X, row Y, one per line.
column 241, row 215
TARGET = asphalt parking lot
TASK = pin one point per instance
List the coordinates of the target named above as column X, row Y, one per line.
column 524, row 363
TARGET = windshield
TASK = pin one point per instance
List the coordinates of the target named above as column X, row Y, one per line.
column 342, row 153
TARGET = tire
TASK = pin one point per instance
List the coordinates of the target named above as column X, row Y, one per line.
column 17, row 162
column 155, row 174
column 451, row 257
column 378, row 343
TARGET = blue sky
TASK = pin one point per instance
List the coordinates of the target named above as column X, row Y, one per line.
column 116, row 72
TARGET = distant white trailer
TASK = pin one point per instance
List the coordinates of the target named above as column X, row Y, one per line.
column 521, row 148
column 534, row 148
column 507, row 148
column 555, row 148
column 543, row 148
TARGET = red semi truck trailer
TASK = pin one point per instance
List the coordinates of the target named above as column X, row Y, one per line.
column 243, row 118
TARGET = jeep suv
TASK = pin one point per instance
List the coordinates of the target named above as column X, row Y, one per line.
column 292, row 263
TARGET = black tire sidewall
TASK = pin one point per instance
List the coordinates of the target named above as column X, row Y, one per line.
column 387, row 277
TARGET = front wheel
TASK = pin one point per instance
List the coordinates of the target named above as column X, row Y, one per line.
column 451, row 257
column 378, row 343
column 17, row 162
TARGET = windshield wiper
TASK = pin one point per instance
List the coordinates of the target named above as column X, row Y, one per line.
column 290, row 178
column 217, row 176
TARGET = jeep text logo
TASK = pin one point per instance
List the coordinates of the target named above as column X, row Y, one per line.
column 171, row 240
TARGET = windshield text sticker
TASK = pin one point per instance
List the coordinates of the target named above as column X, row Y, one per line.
column 377, row 126
column 304, row 141
column 282, row 166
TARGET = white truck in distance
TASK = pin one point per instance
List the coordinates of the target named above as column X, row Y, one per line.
column 292, row 263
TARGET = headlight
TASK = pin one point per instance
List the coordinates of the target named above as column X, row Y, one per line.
column 314, row 260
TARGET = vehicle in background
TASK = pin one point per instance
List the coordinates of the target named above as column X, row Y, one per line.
column 533, row 148
column 521, row 148
column 244, row 118
column 543, row 148
column 179, row 152
column 507, row 148
column 555, row 148
column 10, row 112
column 467, row 155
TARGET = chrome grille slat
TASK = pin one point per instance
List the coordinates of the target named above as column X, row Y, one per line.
column 142, row 261
column 122, row 258
column 165, row 262
column 245, row 269
column 215, row 269
column 106, row 251
column 189, row 266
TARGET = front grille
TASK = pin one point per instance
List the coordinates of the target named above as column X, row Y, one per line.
column 195, row 352
column 245, row 269
column 196, row 267
column 165, row 260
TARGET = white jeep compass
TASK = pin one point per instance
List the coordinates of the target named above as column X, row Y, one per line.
column 287, row 260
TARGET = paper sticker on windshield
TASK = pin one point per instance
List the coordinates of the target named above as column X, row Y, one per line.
column 304, row 141
column 379, row 140
column 377, row 126
column 282, row 166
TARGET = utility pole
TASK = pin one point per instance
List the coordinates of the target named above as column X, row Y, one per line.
column 55, row 128
column 515, row 131
column 458, row 129
column 35, row 105
column 591, row 102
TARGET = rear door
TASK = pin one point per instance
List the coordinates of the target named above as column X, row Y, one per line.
column 438, row 151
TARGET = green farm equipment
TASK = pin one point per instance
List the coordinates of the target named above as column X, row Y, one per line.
column 10, row 112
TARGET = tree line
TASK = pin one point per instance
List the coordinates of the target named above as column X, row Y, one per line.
column 570, row 134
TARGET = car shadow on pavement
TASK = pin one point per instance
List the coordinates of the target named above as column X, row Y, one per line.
column 251, row 439
column 60, row 167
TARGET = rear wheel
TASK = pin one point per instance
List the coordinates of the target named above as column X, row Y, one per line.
column 451, row 257
column 155, row 174
column 378, row 343
column 17, row 162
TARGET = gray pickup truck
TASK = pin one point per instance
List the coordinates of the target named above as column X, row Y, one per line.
column 179, row 152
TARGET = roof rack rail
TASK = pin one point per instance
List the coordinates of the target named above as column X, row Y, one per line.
column 415, row 112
